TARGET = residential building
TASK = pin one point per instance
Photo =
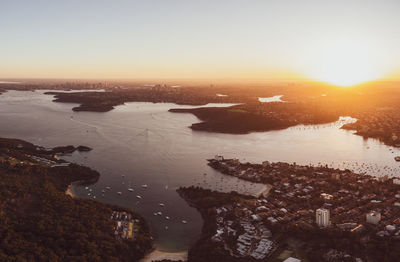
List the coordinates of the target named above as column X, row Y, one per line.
column 292, row 259
column 322, row 217
column 373, row 217
column 219, row 158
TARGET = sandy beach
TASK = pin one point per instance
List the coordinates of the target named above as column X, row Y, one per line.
column 69, row 191
column 264, row 192
column 160, row 255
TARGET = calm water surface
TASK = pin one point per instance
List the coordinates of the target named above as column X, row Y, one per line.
column 143, row 143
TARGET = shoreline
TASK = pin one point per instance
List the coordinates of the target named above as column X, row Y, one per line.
column 30, row 169
column 69, row 190
column 160, row 255
column 289, row 211
column 264, row 192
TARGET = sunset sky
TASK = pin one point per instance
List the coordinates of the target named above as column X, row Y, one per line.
column 339, row 42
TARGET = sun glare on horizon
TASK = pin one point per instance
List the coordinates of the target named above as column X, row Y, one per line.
column 346, row 63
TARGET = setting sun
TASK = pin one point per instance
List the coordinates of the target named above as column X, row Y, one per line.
column 347, row 63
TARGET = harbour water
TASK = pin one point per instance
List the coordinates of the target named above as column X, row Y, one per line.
column 143, row 144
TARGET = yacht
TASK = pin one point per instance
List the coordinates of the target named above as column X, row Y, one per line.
column 130, row 189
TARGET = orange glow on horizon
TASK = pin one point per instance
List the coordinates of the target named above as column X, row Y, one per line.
column 347, row 61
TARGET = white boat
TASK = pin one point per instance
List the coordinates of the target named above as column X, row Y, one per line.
column 139, row 197
column 86, row 188
column 144, row 186
column 161, row 204
column 94, row 197
column 159, row 213
column 103, row 191
column 184, row 221
column 166, row 227
column 108, row 187
column 119, row 193
column 167, row 217
column 130, row 189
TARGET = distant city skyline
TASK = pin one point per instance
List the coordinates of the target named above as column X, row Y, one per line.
column 338, row 42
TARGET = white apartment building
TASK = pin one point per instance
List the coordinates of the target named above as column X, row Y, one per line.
column 373, row 217
column 322, row 217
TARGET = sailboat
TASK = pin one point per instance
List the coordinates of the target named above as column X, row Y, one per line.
column 130, row 189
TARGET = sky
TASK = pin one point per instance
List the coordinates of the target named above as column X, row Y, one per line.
column 345, row 41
